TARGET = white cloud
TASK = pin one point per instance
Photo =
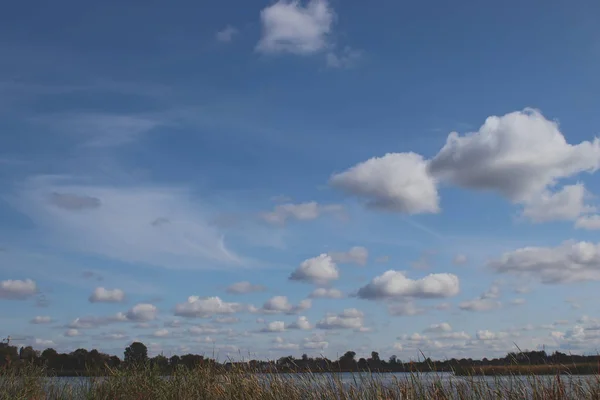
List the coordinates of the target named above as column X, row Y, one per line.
column 589, row 222
column 356, row 255
column 275, row 326
column 204, row 330
column 318, row 270
column 480, row 304
column 350, row 318
column 100, row 130
column 566, row 204
column 404, row 309
column 244, row 287
column 455, row 336
column 315, row 341
column 41, row 320
column 346, row 58
column 329, row 293
column 72, row 333
column 227, row 34
column 394, row 284
column 281, row 304
column 442, row 327
column 161, row 333
column 15, row 289
column 93, row 322
column 566, row 263
column 205, row 307
column 290, row 27
column 44, row 342
column 459, row 259
column 102, row 295
column 519, row 155
column 301, row 323
column 489, row 335
column 227, row 320
column 281, row 344
column 301, row 212
column 142, row 312
column 518, row 302
column 395, row 182
column 161, row 226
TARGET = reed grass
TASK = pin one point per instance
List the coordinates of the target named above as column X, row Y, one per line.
column 213, row 383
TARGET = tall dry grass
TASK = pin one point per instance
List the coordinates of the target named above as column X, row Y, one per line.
column 213, row 383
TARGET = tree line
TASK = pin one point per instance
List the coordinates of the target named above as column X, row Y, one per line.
column 82, row 361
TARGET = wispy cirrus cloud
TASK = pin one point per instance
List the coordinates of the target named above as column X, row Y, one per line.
column 118, row 222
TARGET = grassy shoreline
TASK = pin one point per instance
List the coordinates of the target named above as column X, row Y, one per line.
column 216, row 384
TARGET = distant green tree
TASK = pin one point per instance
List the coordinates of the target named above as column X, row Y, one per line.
column 393, row 359
column 160, row 361
column 136, row 353
column 8, row 354
column 375, row 356
column 28, row 354
column 348, row 356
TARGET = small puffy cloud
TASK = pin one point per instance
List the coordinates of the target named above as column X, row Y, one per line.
column 459, row 259
column 300, row 212
column 395, row 182
column 281, row 304
column 226, row 320
column 395, row 284
column 455, row 336
column 346, row 58
column 398, row 346
column 102, row 295
column 319, row 270
column 350, row 318
column 437, row 328
column 275, row 326
column 93, row 322
column 489, row 335
column 72, row 333
column 203, row 330
column 404, row 309
column 569, row 262
column 315, row 342
column 589, row 222
column 518, row 302
column 301, row 323
column 41, row 320
column 142, row 312
column 566, row 204
column 356, row 255
column 44, row 342
column 328, row 293
column 519, row 155
column 244, row 287
column 74, row 202
column 161, row 333
column 415, row 337
column 480, row 304
column 227, row 34
column 280, row 344
column 291, row 27
column 205, row 307
column 14, row 289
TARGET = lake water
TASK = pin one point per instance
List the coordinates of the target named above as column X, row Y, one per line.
column 391, row 379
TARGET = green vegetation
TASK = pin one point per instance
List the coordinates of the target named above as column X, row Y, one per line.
column 214, row 382
column 83, row 362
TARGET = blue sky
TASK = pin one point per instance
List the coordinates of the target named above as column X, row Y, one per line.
column 408, row 176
